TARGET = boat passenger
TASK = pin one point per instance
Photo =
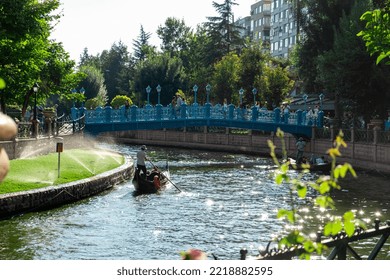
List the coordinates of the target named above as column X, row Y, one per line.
column 156, row 181
column 320, row 160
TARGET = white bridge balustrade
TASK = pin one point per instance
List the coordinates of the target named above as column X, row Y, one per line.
column 159, row 117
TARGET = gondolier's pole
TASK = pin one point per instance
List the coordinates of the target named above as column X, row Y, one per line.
column 165, row 176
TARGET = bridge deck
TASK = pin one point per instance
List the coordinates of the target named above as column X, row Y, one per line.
column 157, row 117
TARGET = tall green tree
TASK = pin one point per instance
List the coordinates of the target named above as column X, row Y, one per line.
column 195, row 62
column 351, row 73
column 253, row 60
column 319, row 22
column 94, row 84
column 226, row 79
column 174, row 36
column 117, row 70
column 141, row 45
column 27, row 55
column 160, row 69
column 274, row 85
column 224, row 33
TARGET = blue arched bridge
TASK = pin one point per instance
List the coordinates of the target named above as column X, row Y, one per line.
column 158, row 117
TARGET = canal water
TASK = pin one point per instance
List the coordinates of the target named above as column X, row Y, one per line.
column 228, row 202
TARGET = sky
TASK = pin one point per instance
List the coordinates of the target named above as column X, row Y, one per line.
column 98, row 24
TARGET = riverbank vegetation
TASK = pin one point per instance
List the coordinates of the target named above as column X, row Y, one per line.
column 42, row 171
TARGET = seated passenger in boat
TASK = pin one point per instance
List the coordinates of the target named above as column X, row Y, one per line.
column 156, row 181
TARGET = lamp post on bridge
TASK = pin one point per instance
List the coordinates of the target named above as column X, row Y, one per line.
column 241, row 93
column 321, row 96
column 254, row 91
column 305, row 99
column 208, row 89
column 148, row 89
column 82, row 91
column 195, row 89
column 158, row 88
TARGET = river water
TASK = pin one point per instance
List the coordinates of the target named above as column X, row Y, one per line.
column 228, row 202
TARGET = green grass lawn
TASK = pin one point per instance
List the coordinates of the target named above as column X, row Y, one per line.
column 42, row 171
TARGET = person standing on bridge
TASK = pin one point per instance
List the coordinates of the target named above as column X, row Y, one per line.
column 179, row 102
column 141, row 158
column 173, row 107
column 301, row 144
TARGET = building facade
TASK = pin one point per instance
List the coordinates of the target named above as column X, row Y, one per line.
column 272, row 23
column 261, row 22
column 283, row 28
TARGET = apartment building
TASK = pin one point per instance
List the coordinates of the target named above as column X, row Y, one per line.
column 271, row 22
column 261, row 22
column 283, row 28
column 245, row 24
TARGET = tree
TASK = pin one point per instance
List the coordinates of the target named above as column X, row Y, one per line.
column 94, row 85
column 253, row 60
column 141, row 46
column 226, row 79
column 28, row 56
column 117, row 70
column 160, row 69
column 319, row 22
column 90, row 60
column 195, row 59
column 349, row 71
column 224, row 33
column 274, row 85
column 376, row 33
column 174, row 35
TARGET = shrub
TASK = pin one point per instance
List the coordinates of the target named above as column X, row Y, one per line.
column 120, row 100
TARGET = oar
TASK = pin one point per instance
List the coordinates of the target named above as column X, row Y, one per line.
column 165, row 176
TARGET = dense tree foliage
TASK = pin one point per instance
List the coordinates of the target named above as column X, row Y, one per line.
column 226, row 79
column 141, row 46
column 174, row 36
column 224, row 34
column 94, row 85
column 29, row 56
column 376, row 33
column 319, row 21
column 350, row 72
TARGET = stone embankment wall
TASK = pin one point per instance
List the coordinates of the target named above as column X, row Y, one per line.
column 364, row 155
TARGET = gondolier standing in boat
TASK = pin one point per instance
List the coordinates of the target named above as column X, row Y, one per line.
column 300, row 149
column 141, row 158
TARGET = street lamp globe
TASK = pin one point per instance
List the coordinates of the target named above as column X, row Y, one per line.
column 208, row 89
column 241, row 92
column 195, row 89
column 148, row 89
column 254, row 91
column 158, row 88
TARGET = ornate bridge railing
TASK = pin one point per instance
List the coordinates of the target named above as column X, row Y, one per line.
column 159, row 117
column 62, row 125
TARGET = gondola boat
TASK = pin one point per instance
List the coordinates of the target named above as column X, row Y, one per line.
column 148, row 185
column 317, row 167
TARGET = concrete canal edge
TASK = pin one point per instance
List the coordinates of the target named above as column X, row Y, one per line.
column 55, row 196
